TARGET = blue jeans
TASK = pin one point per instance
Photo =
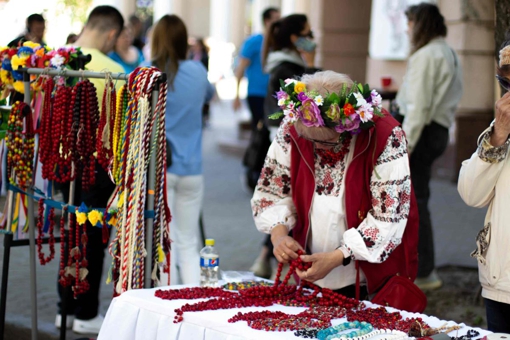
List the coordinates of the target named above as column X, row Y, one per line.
column 498, row 320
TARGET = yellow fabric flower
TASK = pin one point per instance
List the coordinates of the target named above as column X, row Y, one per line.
column 6, row 77
column 112, row 221
column 31, row 44
column 19, row 86
column 161, row 254
column 18, row 61
column 299, row 87
column 95, row 217
column 81, row 218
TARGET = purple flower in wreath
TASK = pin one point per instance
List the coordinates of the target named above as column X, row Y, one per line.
column 302, row 96
column 282, row 95
column 310, row 113
column 351, row 125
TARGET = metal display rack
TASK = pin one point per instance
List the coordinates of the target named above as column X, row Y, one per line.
column 8, row 237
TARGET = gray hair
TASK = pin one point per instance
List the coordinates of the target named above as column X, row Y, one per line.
column 326, row 82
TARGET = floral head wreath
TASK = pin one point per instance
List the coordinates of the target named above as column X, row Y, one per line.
column 347, row 112
column 504, row 56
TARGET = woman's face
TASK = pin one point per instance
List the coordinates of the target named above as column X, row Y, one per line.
column 306, row 32
column 322, row 137
column 410, row 27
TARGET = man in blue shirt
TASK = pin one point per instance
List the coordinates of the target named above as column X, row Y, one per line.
column 250, row 65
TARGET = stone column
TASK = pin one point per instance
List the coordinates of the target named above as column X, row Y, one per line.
column 341, row 30
column 295, row 6
column 227, row 30
column 163, row 7
column 126, row 7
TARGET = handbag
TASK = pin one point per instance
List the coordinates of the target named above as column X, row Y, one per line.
column 401, row 293
column 256, row 152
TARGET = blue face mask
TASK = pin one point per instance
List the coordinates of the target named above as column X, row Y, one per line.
column 305, row 44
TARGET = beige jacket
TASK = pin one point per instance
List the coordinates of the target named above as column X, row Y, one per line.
column 484, row 180
column 431, row 90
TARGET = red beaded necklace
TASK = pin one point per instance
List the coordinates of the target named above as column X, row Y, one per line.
column 380, row 318
column 40, row 223
column 261, row 296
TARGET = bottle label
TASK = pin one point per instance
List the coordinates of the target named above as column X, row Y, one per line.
column 209, row 262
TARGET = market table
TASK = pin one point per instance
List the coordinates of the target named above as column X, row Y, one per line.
column 139, row 315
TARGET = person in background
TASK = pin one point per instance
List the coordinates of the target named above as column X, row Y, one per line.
column 427, row 100
column 188, row 90
column 344, row 192
column 136, row 26
column 484, row 182
column 71, row 38
column 35, row 28
column 125, row 53
column 98, row 37
column 146, row 50
column 250, row 66
column 199, row 51
column 288, row 52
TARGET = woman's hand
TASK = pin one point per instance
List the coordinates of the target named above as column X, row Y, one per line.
column 308, row 57
column 502, row 123
column 285, row 247
column 322, row 264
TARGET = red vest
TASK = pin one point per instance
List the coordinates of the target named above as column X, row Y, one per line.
column 358, row 201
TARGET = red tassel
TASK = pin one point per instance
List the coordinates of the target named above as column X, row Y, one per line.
column 106, row 235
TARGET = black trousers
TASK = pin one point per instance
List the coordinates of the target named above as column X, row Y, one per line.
column 86, row 305
column 256, row 105
column 432, row 143
column 498, row 320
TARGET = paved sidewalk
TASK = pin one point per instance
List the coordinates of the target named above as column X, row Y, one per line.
column 227, row 218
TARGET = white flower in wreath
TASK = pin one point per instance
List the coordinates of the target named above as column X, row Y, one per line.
column 359, row 99
column 57, row 60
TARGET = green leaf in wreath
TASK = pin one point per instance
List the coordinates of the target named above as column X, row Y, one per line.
column 276, row 115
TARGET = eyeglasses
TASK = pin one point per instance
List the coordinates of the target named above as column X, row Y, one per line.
column 504, row 82
column 322, row 142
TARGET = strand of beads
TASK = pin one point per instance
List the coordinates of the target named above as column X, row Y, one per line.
column 105, row 128
column 20, row 145
column 40, row 223
column 332, row 332
column 380, row 318
column 64, row 280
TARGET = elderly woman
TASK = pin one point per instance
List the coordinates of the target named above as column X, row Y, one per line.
column 337, row 176
column 484, row 181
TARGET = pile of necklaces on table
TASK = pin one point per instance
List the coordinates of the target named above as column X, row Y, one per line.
column 315, row 322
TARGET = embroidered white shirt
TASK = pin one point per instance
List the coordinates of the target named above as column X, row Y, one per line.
column 374, row 239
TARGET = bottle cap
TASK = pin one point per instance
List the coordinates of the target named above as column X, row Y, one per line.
column 209, row 242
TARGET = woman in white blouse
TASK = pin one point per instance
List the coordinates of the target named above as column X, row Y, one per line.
column 340, row 199
column 483, row 182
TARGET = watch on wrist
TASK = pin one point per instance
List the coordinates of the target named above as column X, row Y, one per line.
column 347, row 256
column 346, row 261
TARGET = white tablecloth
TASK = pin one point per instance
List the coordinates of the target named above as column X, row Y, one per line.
column 139, row 315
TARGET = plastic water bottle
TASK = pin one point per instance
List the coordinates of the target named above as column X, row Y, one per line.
column 209, row 264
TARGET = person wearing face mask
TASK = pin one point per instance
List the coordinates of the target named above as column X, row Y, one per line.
column 289, row 52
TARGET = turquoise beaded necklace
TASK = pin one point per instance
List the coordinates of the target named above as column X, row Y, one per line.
column 331, row 333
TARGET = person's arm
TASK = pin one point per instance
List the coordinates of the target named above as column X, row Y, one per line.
column 420, row 81
column 479, row 174
column 245, row 57
column 381, row 231
column 272, row 206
